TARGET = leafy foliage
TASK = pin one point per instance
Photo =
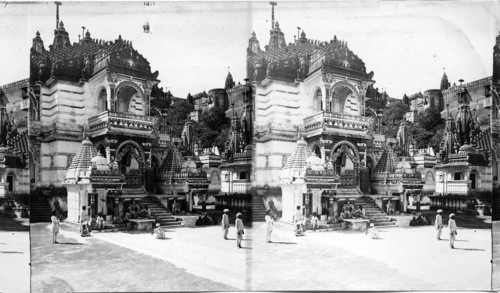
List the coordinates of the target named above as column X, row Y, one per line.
column 178, row 114
column 428, row 128
column 393, row 117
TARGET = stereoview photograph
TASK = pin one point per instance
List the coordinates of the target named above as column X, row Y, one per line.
column 238, row 146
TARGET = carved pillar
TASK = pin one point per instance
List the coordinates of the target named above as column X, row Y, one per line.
column 108, row 154
column 323, row 98
column 112, row 98
column 323, row 153
column 147, row 111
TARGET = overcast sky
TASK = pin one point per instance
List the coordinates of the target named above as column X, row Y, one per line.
column 192, row 44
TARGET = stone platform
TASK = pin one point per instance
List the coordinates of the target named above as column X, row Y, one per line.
column 142, row 224
column 357, row 224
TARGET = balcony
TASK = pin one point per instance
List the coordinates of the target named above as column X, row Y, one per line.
column 121, row 123
column 337, row 121
column 456, row 187
column 240, row 187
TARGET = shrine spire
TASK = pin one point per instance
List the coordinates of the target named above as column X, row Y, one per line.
column 57, row 13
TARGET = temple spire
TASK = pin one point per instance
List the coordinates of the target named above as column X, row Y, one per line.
column 57, row 13
column 272, row 13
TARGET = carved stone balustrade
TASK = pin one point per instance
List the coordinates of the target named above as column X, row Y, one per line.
column 333, row 121
column 121, row 123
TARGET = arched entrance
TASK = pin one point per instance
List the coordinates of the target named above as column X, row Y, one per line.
column 345, row 160
column 474, row 178
column 317, row 101
column 370, row 164
column 130, row 158
column 11, row 177
column 344, row 99
column 102, row 100
column 375, row 123
column 130, row 99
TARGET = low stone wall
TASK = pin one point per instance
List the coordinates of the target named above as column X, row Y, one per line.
column 187, row 221
column 402, row 221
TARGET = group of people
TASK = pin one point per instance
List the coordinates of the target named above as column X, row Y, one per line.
column 349, row 212
column 238, row 224
column 420, row 220
column 134, row 211
column 452, row 226
column 206, row 220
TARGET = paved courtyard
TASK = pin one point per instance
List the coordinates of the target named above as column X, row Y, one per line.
column 199, row 259
column 191, row 259
column 403, row 259
column 495, row 282
column 14, row 255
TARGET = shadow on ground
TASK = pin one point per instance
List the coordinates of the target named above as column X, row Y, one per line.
column 462, row 220
column 13, row 224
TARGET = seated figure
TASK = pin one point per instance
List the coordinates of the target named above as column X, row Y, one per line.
column 373, row 232
column 159, row 232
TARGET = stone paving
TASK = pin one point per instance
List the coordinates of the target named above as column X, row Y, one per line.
column 495, row 278
column 14, row 255
column 403, row 259
column 199, row 259
column 90, row 264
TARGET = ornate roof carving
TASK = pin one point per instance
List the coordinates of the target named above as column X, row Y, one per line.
column 83, row 59
column 298, row 59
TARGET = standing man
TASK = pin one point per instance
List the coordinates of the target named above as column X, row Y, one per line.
column 239, row 229
column 225, row 223
column 453, row 229
column 269, row 226
column 298, row 221
column 83, row 217
column 439, row 223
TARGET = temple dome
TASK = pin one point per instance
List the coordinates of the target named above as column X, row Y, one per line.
column 297, row 159
column 81, row 163
column 100, row 162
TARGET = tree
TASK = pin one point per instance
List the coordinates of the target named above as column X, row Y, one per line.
column 406, row 100
column 428, row 129
column 393, row 116
column 190, row 99
column 212, row 128
column 429, row 119
column 178, row 113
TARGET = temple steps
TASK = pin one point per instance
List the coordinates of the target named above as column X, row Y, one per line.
column 40, row 210
column 373, row 212
column 133, row 192
column 349, row 192
column 158, row 211
column 258, row 209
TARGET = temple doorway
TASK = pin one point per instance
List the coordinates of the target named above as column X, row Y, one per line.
column 345, row 160
column 131, row 162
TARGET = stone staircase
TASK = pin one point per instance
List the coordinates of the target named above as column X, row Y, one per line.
column 40, row 210
column 258, row 209
column 135, row 192
column 158, row 211
column 373, row 212
column 18, row 202
column 353, row 192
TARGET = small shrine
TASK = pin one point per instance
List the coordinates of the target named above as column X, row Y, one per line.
column 93, row 182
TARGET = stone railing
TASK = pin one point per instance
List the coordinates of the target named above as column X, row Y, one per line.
column 240, row 187
column 337, row 120
column 190, row 175
column 456, row 187
column 314, row 173
column 117, row 120
column 347, row 180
